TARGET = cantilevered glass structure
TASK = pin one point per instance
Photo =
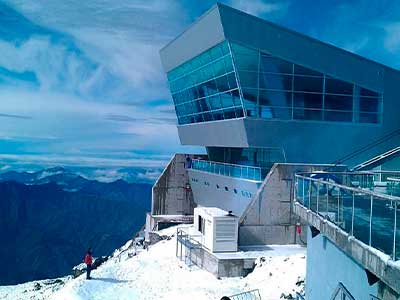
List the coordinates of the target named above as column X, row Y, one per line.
column 241, row 84
column 232, row 81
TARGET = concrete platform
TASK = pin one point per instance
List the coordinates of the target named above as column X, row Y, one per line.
column 232, row 264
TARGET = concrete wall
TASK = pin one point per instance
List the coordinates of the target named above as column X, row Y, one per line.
column 206, row 192
column 369, row 258
column 327, row 266
column 171, row 194
column 269, row 218
column 221, row 267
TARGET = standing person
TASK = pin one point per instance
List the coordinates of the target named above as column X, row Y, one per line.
column 88, row 262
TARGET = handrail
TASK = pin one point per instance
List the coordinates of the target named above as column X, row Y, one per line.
column 249, row 295
column 350, row 188
column 299, row 296
column 227, row 169
column 353, row 210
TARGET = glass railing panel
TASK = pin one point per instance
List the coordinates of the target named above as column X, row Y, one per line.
column 396, row 233
column 346, row 210
column 371, row 216
column 313, row 191
column 238, row 171
column 251, row 173
column 382, row 225
column 299, row 189
column 362, row 209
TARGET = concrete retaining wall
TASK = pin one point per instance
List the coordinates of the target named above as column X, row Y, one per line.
column 172, row 194
column 269, row 217
column 222, row 267
column 369, row 258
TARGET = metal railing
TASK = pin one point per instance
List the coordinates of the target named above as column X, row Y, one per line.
column 369, row 216
column 372, row 297
column 232, row 170
column 186, row 244
column 249, row 295
column 299, row 296
column 341, row 293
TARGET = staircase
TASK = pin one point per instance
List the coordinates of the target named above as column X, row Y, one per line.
column 377, row 160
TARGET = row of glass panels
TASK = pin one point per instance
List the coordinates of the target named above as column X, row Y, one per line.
column 275, row 88
column 237, row 171
column 370, row 217
column 205, row 89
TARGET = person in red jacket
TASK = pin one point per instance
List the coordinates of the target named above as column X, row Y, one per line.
column 88, row 262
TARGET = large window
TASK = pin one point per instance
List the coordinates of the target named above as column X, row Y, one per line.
column 205, row 88
column 273, row 88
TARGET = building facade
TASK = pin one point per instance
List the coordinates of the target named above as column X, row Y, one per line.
column 267, row 103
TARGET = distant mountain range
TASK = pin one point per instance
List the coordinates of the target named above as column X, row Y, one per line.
column 131, row 174
column 49, row 218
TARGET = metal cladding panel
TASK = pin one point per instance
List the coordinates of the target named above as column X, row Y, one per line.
column 213, row 190
column 224, row 133
column 286, row 44
column 202, row 35
column 318, row 142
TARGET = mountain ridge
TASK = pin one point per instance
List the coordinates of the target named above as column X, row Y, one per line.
column 47, row 222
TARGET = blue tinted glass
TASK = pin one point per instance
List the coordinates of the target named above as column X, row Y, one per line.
column 248, row 79
column 334, row 102
column 275, row 81
column 206, row 89
column 246, row 62
column 307, row 100
column 274, row 98
column 275, row 65
column 308, row 84
column 299, row 70
column 336, row 86
column 369, row 104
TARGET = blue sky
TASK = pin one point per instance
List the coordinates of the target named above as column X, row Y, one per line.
column 81, row 82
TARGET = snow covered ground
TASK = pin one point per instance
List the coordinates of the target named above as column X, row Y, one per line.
column 35, row 290
column 158, row 274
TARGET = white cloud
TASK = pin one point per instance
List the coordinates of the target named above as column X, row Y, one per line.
column 392, row 37
column 122, row 37
column 274, row 9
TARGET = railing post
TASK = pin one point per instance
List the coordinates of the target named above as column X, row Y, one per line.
column 370, row 221
column 309, row 193
column 338, row 207
column 394, row 230
column 177, row 241
column 303, row 200
column 352, row 217
column 327, row 200
column 318, row 197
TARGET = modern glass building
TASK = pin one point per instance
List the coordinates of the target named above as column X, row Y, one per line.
column 247, row 89
column 267, row 102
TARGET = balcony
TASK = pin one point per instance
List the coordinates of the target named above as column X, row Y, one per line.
column 364, row 205
column 225, row 169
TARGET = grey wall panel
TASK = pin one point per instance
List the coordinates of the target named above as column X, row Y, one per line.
column 211, row 196
column 224, row 133
column 202, row 35
column 286, row 44
column 312, row 142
